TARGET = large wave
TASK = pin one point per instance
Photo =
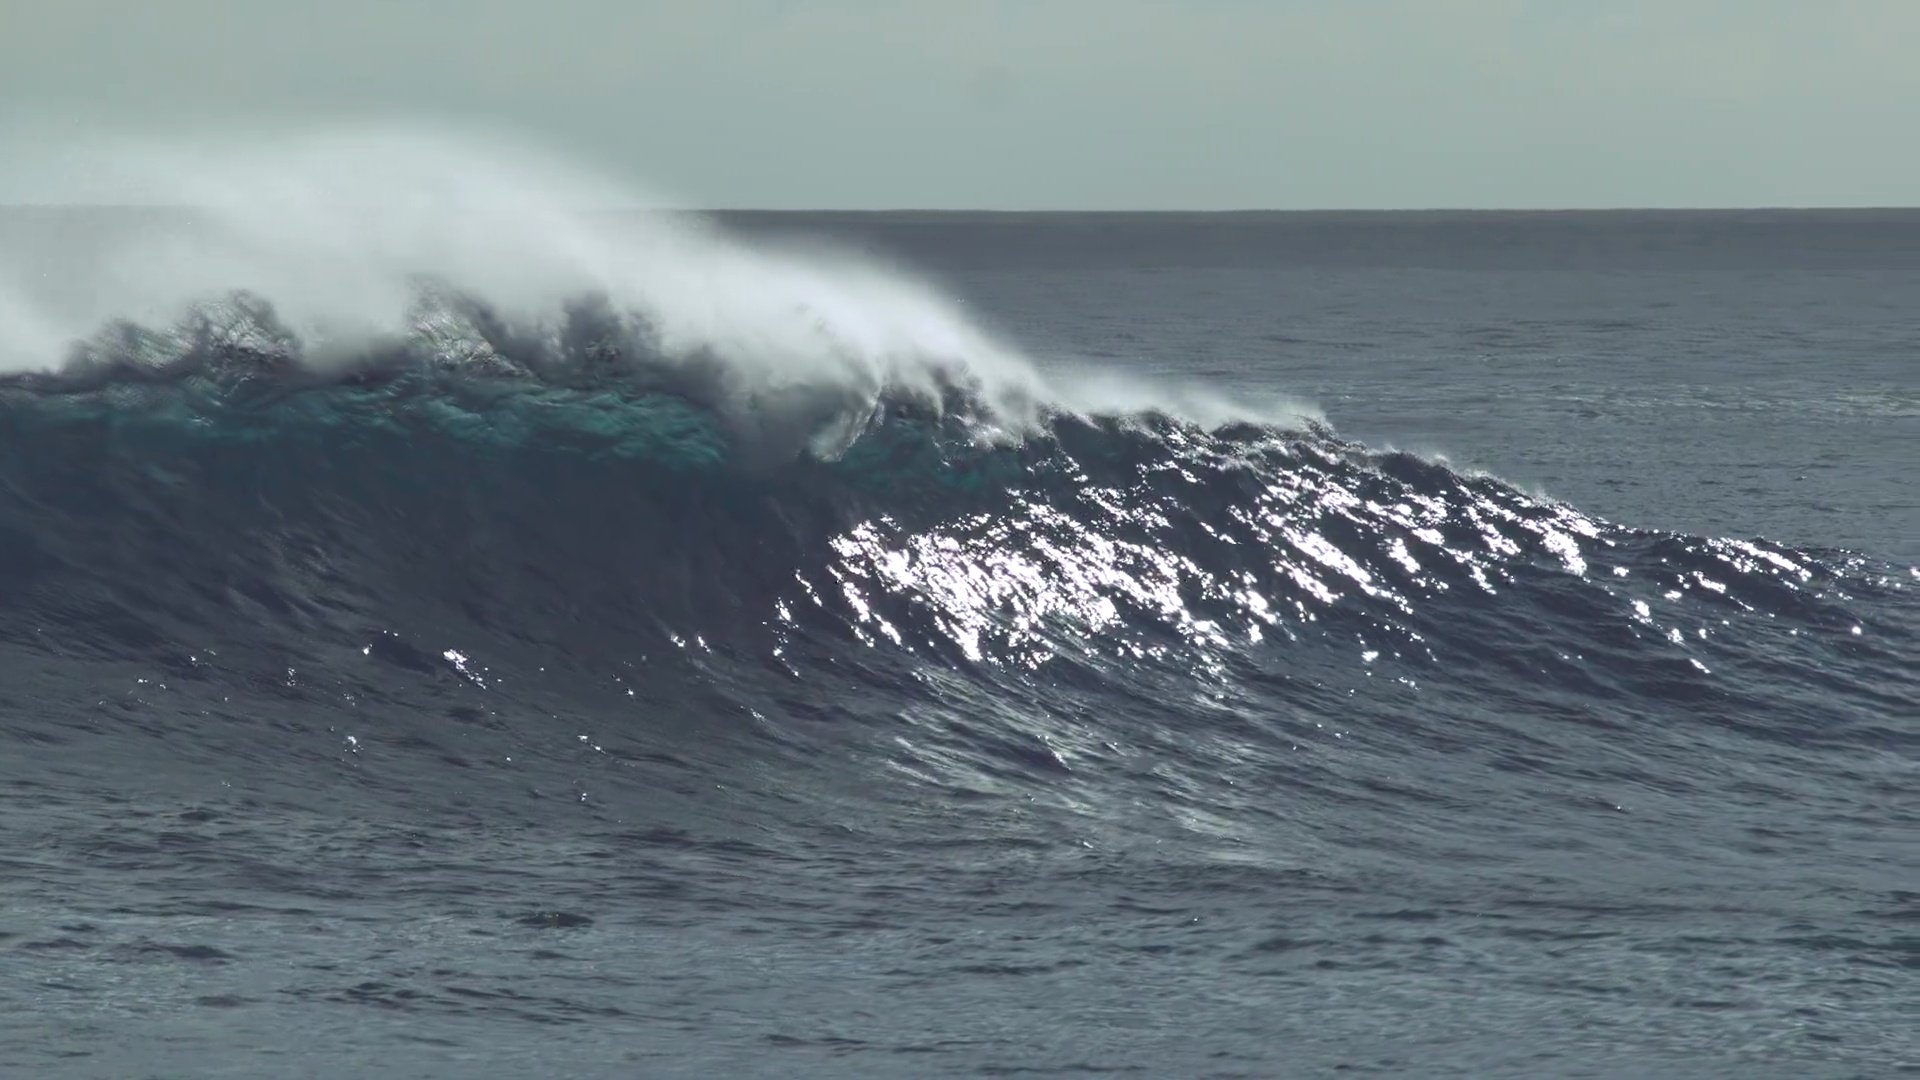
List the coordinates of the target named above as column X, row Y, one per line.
column 492, row 458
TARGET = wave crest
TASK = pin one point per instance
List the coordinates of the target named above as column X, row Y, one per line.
column 366, row 253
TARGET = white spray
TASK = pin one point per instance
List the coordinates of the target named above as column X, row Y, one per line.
column 337, row 228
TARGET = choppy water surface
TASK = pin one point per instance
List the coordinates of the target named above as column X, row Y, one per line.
column 501, row 702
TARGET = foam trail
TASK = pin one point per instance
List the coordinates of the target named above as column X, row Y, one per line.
column 339, row 229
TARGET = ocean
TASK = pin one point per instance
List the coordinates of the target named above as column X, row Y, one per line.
column 924, row 644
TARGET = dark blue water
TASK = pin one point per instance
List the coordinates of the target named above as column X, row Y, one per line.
column 561, row 714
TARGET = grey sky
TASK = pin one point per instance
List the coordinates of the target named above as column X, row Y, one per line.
column 1054, row 103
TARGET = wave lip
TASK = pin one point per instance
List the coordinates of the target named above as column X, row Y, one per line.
column 363, row 252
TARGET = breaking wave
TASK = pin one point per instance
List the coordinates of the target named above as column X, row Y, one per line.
column 492, row 458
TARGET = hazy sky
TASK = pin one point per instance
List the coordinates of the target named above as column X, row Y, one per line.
column 1053, row 103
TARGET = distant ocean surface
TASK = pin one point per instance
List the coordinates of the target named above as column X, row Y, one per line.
column 912, row 644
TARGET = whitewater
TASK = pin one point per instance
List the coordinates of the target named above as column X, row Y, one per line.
column 459, row 617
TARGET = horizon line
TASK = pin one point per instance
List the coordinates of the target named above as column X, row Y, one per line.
column 1088, row 211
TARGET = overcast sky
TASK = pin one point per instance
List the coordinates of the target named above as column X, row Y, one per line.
column 1100, row 104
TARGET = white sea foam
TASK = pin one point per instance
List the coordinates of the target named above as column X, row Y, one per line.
column 338, row 228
